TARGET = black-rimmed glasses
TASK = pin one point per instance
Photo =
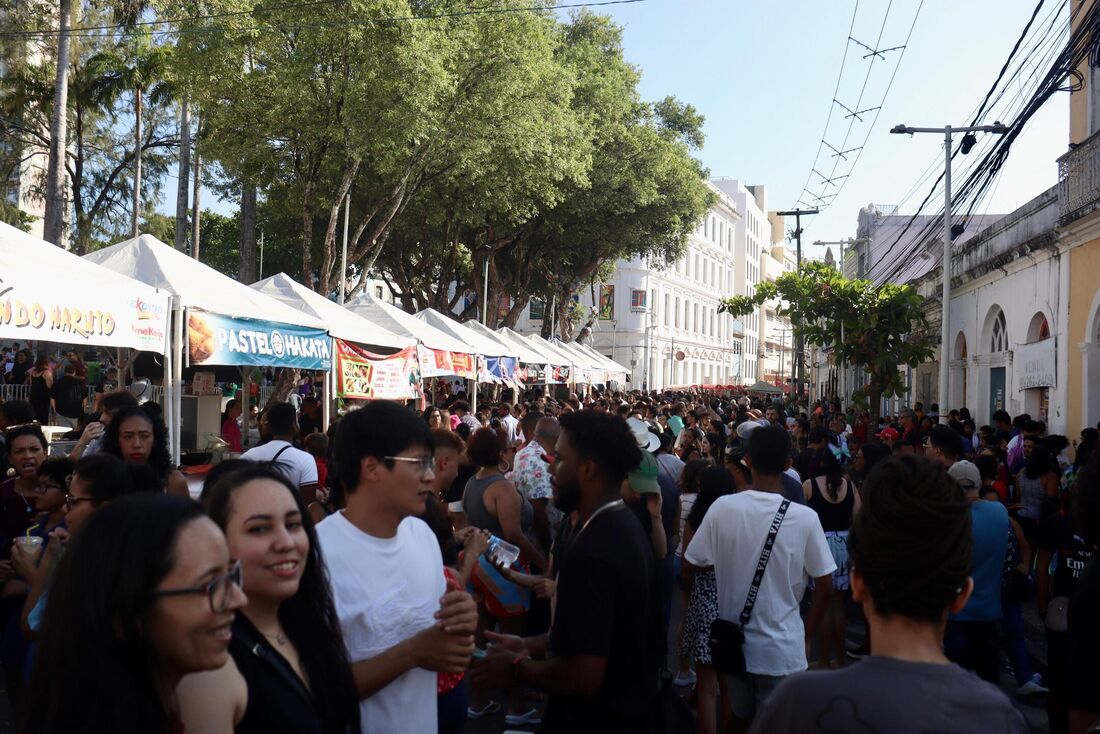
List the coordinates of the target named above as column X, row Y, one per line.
column 218, row 591
column 71, row 501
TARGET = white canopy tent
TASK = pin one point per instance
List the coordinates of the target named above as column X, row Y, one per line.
column 393, row 319
column 49, row 294
column 546, row 356
column 341, row 323
column 520, row 351
column 475, row 340
column 194, row 286
column 582, row 359
column 565, row 358
column 609, row 364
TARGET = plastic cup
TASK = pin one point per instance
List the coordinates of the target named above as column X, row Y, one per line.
column 30, row 543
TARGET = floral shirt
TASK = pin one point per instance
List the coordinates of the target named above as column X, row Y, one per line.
column 531, row 475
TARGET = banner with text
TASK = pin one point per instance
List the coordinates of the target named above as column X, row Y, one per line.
column 363, row 374
column 438, row 363
column 1034, row 365
column 225, row 340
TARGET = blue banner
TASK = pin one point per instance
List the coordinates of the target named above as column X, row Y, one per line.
column 225, row 340
column 502, row 368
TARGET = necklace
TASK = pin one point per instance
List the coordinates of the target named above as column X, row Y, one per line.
column 601, row 508
column 279, row 637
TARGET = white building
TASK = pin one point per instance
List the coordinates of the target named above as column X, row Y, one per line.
column 663, row 324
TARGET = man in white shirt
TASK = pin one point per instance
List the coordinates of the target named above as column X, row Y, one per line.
column 510, row 423
column 401, row 625
column 731, row 539
column 298, row 466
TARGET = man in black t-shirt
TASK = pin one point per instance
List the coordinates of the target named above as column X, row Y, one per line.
column 1084, row 608
column 600, row 664
column 68, row 397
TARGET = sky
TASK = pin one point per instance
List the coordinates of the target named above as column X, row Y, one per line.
column 764, row 72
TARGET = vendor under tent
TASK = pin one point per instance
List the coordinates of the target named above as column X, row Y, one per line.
column 496, row 363
column 349, row 329
column 216, row 321
column 440, row 354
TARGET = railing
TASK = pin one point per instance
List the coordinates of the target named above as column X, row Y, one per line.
column 1079, row 180
column 15, row 392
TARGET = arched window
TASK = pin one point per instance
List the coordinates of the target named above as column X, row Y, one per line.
column 999, row 342
column 960, row 346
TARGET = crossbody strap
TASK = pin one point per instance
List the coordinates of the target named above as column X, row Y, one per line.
column 762, row 564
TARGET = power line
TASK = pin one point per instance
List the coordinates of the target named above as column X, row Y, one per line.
column 80, row 31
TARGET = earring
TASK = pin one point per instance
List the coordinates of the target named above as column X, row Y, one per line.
column 11, row 471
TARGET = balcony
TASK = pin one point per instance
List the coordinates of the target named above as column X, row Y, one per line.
column 1079, row 181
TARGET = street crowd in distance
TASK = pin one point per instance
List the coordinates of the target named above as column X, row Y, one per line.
column 617, row 562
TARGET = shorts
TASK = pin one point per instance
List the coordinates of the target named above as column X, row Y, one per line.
column 750, row 691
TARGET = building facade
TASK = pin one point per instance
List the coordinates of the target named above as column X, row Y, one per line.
column 662, row 323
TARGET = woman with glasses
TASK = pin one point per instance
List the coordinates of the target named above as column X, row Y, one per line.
column 145, row 596
column 50, row 502
column 137, row 437
column 288, row 668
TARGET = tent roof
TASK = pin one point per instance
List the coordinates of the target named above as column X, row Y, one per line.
column 24, row 257
column 608, row 363
column 149, row 260
column 480, row 343
column 503, row 347
column 394, row 319
column 554, row 349
column 544, row 356
column 580, row 357
column 764, row 387
column 341, row 323
column 516, row 344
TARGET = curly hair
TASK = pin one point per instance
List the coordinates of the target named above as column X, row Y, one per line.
column 160, row 461
column 911, row 540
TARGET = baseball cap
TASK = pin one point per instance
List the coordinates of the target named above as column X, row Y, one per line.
column 744, row 430
column 888, row 434
column 967, row 475
column 647, row 440
column 643, row 480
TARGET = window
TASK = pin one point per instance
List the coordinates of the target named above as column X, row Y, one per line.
column 677, row 324
column 537, row 310
column 667, row 309
column 999, row 342
column 377, row 291
column 695, row 317
column 638, row 300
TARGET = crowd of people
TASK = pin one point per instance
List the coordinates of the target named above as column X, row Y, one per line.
column 622, row 562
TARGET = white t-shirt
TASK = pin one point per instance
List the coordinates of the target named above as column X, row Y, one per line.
column 511, row 424
column 385, row 591
column 730, row 539
column 298, row 466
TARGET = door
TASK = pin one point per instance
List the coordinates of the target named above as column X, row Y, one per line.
column 996, row 390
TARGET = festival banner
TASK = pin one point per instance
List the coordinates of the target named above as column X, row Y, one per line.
column 502, row 369
column 560, row 375
column 363, row 374
column 535, row 374
column 77, row 314
column 463, row 365
column 433, row 362
column 607, row 303
column 226, row 340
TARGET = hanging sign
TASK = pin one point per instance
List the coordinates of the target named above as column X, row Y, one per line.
column 363, row 374
column 560, row 375
column 535, row 374
column 438, row 363
column 225, row 340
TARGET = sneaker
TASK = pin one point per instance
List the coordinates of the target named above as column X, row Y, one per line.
column 472, row 712
column 1033, row 686
column 685, row 678
column 531, row 718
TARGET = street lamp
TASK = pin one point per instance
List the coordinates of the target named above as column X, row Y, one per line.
column 968, row 143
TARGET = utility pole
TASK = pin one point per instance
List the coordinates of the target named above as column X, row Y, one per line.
column 968, row 142
column 798, row 346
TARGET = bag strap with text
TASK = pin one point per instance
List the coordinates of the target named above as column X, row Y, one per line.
column 762, row 564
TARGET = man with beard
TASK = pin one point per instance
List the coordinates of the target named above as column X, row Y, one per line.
column 599, row 663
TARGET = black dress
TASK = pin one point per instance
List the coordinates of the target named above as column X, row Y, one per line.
column 278, row 700
column 40, row 399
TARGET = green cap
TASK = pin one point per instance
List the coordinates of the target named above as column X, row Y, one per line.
column 644, row 479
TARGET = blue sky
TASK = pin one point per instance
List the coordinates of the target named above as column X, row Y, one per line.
column 764, row 73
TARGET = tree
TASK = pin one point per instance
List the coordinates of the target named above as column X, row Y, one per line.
column 54, row 228
column 879, row 328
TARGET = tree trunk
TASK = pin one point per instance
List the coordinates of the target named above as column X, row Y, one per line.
column 135, row 227
column 54, row 225
column 184, row 174
column 247, row 272
column 196, row 228
column 307, row 234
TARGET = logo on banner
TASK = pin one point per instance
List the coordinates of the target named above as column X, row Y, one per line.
column 277, row 344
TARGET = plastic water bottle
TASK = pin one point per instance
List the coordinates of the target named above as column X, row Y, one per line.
column 501, row 551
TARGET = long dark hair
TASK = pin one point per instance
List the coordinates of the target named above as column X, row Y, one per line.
column 1040, row 463
column 309, row 617
column 96, row 671
column 830, row 467
column 160, row 461
column 714, row 482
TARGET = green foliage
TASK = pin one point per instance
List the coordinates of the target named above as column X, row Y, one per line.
column 874, row 327
column 13, row 215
